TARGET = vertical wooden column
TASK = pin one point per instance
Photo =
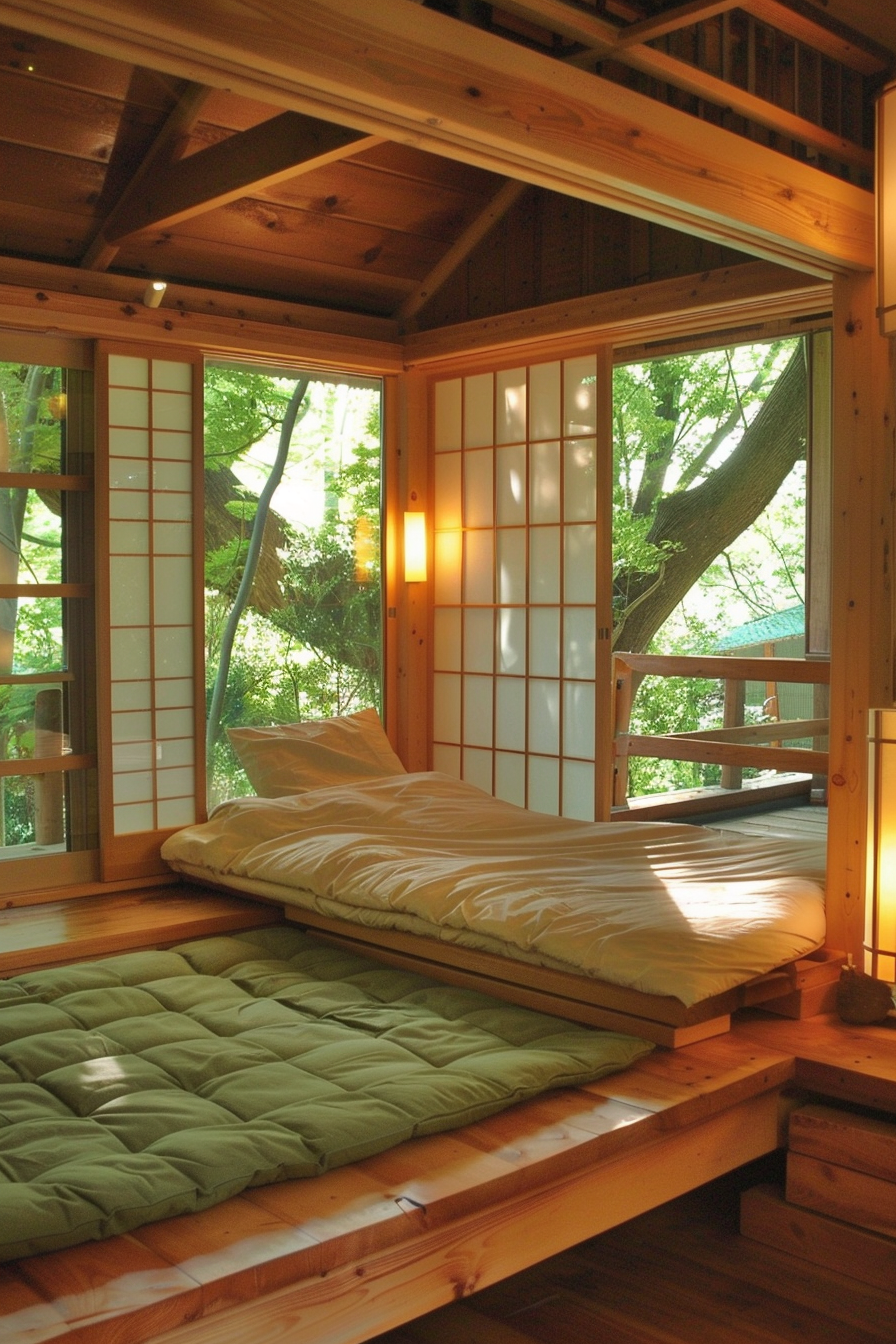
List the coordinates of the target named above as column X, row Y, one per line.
column 413, row 610
column 864, row 424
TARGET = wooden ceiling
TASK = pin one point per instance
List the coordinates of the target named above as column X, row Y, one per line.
column 108, row 167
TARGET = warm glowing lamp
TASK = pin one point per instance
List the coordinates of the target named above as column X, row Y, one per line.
column 880, row 891
column 885, row 198
column 415, row 548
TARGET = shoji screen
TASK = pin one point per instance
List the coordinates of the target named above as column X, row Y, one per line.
column 151, row 756
column 521, row 587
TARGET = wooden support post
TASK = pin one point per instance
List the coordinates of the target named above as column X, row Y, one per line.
column 864, row 425
column 733, row 717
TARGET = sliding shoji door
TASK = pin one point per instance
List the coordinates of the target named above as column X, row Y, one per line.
column 150, row 415
column 522, row 615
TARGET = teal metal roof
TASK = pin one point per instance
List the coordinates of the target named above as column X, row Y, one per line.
column 767, row 629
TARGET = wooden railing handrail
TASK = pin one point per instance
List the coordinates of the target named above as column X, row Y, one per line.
column 716, row 666
column 734, row 745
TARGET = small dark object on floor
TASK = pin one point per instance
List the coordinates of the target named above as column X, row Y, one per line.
column 861, row 999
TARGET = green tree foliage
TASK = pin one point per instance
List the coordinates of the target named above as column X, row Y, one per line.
column 309, row 643
column 709, row 520
column 31, row 636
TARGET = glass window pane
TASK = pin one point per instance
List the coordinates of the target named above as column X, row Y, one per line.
column 309, row 641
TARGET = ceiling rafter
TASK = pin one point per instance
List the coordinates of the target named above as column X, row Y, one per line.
column 274, row 151
column 505, row 197
column 165, row 149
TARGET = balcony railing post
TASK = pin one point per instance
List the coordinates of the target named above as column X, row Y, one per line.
column 733, row 717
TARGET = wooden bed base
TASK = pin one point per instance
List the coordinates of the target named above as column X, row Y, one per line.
column 801, row 989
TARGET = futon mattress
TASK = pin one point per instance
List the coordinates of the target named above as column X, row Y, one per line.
column 157, row 1083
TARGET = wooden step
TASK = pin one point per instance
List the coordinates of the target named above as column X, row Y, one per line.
column 56, row 932
column 766, row 1216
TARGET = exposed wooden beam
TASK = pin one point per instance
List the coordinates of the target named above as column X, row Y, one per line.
column 413, row 74
column 831, row 39
column 695, row 11
column 688, row 78
column 497, row 208
column 273, row 151
column 165, row 149
column 730, row 296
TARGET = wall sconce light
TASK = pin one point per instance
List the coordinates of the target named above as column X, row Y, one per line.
column 415, row 548
column 154, row 293
column 880, row 891
column 885, row 208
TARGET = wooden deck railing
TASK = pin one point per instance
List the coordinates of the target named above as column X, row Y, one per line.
column 736, row 744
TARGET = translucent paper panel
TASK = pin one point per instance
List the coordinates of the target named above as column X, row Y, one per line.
column 130, row 655
column 544, row 483
column 446, row 707
column 128, row 820
column 129, row 406
column 544, row 565
column 172, row 375
column 130, row 695
column 479, row 640
column 510, row 714
column 544, row 401
column 168, row 475
column 578, row 790
column 173, row 444
column 479, row 567
column 129, row 590
column 579, row 385
column 173, row 590
column 579, row 630
column 448, row 567
column 479, row 411
column 479, row 488
column 38, row 640
column 510, row 485
column 448, row 508
column 176, row 812
column 579, row 481
column 448, row 415
column 477, row 767
column 510, row 406
column 173, row 651
column 578, row 719
column 511, row 543
column 512, row 641
column 510, row 778
column 128, row 442
column 171, row 410
column 129, row 370
column 447, row 639
column 172, row 538
column 579, row 577
column 446, row 759
column 544, row 717
column 477, row 710
column 544, row 785
column 129, row 473
column 544, row 642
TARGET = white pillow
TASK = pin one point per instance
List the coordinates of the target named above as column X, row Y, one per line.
column 297, row 757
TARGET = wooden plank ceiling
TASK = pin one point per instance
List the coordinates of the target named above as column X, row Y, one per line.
column 110, row 167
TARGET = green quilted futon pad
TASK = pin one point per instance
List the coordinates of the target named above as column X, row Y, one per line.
column 157, row 1083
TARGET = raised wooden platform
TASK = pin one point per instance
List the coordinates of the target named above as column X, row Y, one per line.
column 343, row 1257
